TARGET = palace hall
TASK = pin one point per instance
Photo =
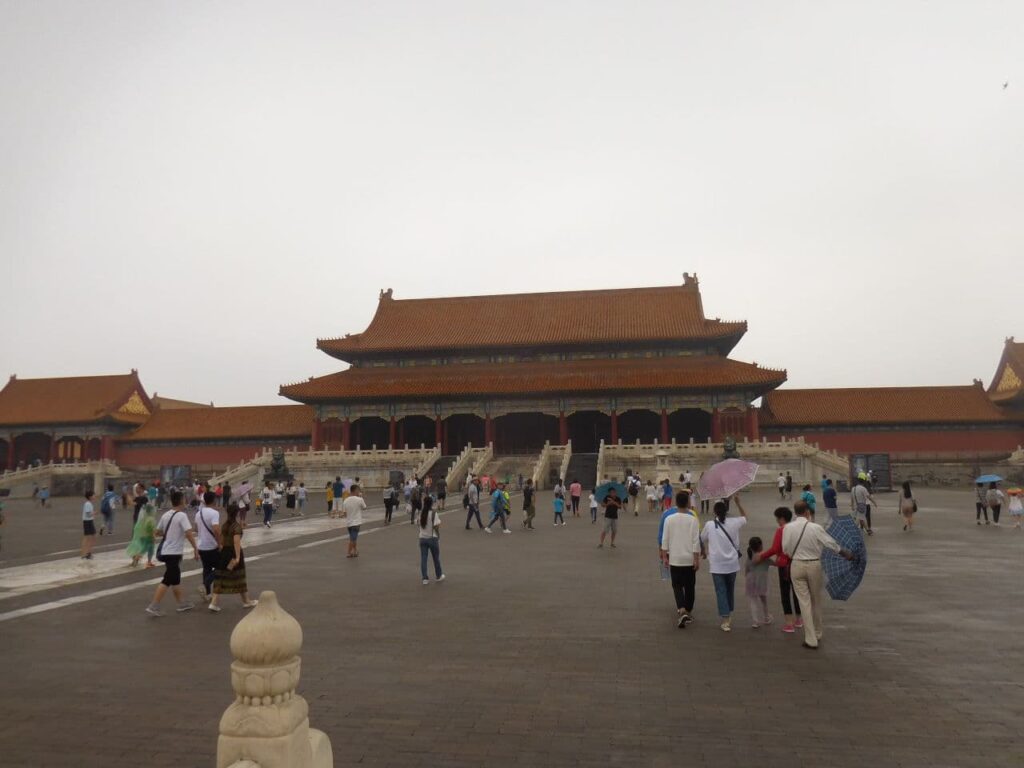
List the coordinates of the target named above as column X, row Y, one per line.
column 521, row 369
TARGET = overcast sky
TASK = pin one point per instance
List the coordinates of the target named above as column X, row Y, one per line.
column 201, row 189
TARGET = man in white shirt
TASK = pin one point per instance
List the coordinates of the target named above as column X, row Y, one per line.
column 352, row 510
column 680, row 551
column 780, row 483
column 861, row 501
column 688, row 478
column 175, row 529
column 802, row 542
column 208, row 528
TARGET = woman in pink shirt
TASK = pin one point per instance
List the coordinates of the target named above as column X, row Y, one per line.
column 575, row 491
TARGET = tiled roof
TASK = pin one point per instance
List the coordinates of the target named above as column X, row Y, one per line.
column 618, row 316
column 1008, row 383
column 257, row 421
column 170, row 403
column 73, row 400
column 878, row 405
column 531, row 378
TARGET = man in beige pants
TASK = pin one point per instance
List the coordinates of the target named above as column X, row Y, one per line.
column 803, row 541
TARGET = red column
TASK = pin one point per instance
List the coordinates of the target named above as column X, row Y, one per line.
column 437, row 433
column 753, row 427
column 346, row 435
column 563, row 428
column 488, row 430
column 716, row 426
column 615, row 427
column 10, row 454
column 664, row 426
column 391, row 433
column 318, row 435
column 107, row 447
column 53, row 448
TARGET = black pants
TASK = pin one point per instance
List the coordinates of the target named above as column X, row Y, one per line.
column 996, row 509
column 684, row 581
column 979, row 507
column 389, row 507
column 209, row 558
column 474, row 510
column 575, row 504
column 790, row 604
column 140, row 502
column 867, row 515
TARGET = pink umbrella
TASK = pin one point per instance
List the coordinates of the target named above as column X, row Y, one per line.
column 726, row 478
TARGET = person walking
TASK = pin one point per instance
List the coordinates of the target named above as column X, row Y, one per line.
column 790, row 603
column 756, row 572
column 139, row 499
column 861, row 501
column 908, row 506
column 267, row 503
column 789, row 485
column 666, row 494
column 143, row 537
column 107, row 504
column 529, row 504
column 175, row 529
column 229, row 578
column 416, row 499
column 498, row 511
column 88, row 526
column 593, row 508
column 780, row 483
column 559, row 506
column 352, row 510
column 441, row 488
column 804, row 541
column 994, row 499
column 575, row 493
column 473, row 504
column 389, row 502
column 430, row 540
column 808, row 496
column 559, row 489
column 721, row 536
column 831, row 499
column 208, row 527
column 337, row 496
column 301, row 496
column 244, row 503
column 680, row 553
column 291, row 498
column 225, row 495
column 612, row 506
column 651, row 494
column 1016, row 508
column 980, row 503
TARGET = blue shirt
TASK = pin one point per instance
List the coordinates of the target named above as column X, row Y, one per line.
column 666, row 491
column 107, row 502
column 809, row 498
column 824, row 484
column 497, row 501
column 829, row 494
column 661, row 525
column 559, row 506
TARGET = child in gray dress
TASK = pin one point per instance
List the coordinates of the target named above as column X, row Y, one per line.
column 757, row 584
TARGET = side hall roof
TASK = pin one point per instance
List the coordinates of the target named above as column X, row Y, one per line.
column 879, row 406
column 74, row 400
column 1008, row 383
column 243, row 422
column 530, row 320
column 684, row 373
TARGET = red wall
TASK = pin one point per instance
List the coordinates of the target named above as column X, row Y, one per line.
column 907, row 441
column 205, row 455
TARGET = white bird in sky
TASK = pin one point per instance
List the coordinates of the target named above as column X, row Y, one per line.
column 1006, row 84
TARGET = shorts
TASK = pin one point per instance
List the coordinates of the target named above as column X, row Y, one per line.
column 89, row 527
column 353, row 532
column 442, row 495
column 862, row 511
column 336, row 505
column 611, row 525
column 172, row 571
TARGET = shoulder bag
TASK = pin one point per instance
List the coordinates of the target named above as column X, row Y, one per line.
column 160, row 548
column 719, row 526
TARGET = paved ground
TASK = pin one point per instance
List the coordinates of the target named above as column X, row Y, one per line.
column 539, row 650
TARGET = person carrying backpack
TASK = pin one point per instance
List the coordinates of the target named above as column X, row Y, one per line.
column 107, row 505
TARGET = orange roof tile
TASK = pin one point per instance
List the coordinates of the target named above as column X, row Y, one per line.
column 618, row 316
column 1008, row 383
column 257, row 421
column 878, row 405
column 170, row 403
column 604, row 375
column 74, row 400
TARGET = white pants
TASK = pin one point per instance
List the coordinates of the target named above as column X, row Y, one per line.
column 808, row 581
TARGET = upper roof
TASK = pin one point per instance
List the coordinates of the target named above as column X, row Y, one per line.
column 170, row 403
column 245, row 422
column 879, row 405
column 532, row 320
column 1008, row 383
column 532, row 378
column 74, row 400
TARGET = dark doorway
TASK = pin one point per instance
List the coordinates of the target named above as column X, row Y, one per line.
column 369, row 431
column 689, row 422
column 524, row 432
column 31, row 448
column 331, row 434
column 644, row 426
column 587, row 429
column 462, row 429
column 418, row 430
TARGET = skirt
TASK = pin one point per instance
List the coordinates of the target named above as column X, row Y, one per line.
column 227, row 582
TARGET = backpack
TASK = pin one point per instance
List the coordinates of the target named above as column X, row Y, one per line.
column 465, row 501
column 107, row 505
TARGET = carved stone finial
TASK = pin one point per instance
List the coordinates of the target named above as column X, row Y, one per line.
column 385, row 294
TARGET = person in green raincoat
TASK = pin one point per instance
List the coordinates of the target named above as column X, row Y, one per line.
column 144, row 537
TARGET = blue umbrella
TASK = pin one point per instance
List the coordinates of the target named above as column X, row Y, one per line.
column 601, row 492
column 988, row 479
column 844, row 576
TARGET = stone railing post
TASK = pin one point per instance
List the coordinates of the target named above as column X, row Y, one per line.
column 267, row 725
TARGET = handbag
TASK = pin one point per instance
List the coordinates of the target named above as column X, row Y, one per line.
column 160, row 548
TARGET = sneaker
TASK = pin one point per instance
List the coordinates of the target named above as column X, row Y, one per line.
column 488, row 530
column 600, row 546
column 996, row 523
column 613, row 546
column 769, row 619
column 805, row 644
column 682, row 622
column 214, row 608
column 799, row 624
column 506, row 531
column 755, row 625
column 426, row 581
column 726, row 627
column 251, row 604
column 788, row 629
column 152, row 610
column 688, row 618
column 979, row 522
column 987, row 522
column 185, row 607
column 441, row 577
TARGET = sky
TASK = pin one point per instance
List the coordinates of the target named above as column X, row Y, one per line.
column 200, row 190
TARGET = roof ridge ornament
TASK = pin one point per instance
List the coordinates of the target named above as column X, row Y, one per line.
column 385, row 294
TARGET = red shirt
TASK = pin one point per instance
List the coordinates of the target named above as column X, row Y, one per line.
column 781, row 560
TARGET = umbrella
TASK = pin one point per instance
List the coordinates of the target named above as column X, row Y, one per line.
column 601, row 492
column 988, row 479
column 726, row 478
column 842, row 575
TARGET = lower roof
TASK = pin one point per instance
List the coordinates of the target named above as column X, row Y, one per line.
column 74, row 400
column 663, row 374
column 245, row 422
column 879, row 405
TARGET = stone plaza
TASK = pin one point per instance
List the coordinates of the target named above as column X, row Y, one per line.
column 538, row 650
